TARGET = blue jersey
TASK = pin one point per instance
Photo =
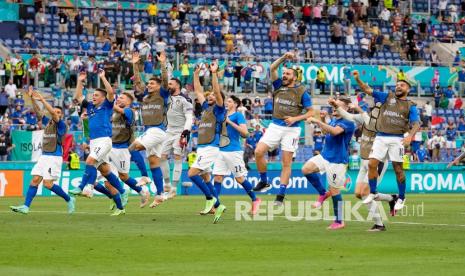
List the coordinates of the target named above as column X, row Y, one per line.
column 318, row 142
column 257, row 136
column 234, row 135
column 129, row 117
column 336, row 148
column 195, row 134
column 99, row 119
column 306, row 103
column 251, row 141
column 61, row 130
column 220, row 113
column 414, row 117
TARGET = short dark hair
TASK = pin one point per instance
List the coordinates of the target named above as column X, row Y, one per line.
column 103, row 91
column 177, row 81
column 158, row 80
column 129, row 95
column 236, row 100
column 58, row 107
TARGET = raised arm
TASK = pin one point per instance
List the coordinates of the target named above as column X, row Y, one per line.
column 118, row 109
column 38, row 97
column 139, row 86
column 215, row 84
column 363, row 86
column 360, row 118
column 275, row 65
column 35, row 106
column 108, row 87
column 198, row 88
column 164, row 71
column 336, row 130
column 78, row 95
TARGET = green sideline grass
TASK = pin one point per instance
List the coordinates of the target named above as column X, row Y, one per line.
column 172, row 239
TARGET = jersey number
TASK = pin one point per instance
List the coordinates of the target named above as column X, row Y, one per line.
column 97, row 150
column 122, row 163
column 238, row 169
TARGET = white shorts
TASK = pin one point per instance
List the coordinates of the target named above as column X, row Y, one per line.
column 48, row 167
column 362, row 176
column 388, row 146
column 335, row 173
column 230, row 161
column 206, row 157
column 171, row 143
column 100, row 149
column 286, row 137
column 121, row 159
column 450, row 145
column 152, row 140
column 228, row 81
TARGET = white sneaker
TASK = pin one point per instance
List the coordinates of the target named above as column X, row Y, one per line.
column 157, row 201
column 399, row 204
column 144, row 197
column 171, row 194
column 88, row 191
column 144, row 180
column 369, row 198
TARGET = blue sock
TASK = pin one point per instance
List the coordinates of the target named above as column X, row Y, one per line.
column 89, row 177
column 132, row 183
column 373, row 183
column 215, row 195
column 401, row 185
column 248, row 189
column 31, row 193
column 59, row 192
column 202, row 186
column 337, row 207
column 218, row 188
column 137, row 158
column 282, row 189
column 117, row 199
column 114, row 181
column 157, row 176
column 314, row 179
column 99, row 187
column 263, row 177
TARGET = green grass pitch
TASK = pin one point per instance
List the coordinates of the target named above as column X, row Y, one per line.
column 173, row 239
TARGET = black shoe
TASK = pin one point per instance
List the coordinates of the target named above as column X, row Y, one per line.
column 377, row 228
column 392, row 203
column 279, row 200
column 262, row 187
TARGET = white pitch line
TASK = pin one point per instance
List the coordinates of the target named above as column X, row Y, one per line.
column 130, row 214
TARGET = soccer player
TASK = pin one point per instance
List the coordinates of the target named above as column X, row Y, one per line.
column 180, row 116
column 100, row 111
column 393, row 120
column 122, row 133
column 290, row 100
column 153, row 108
column 368, row 136
column 231, row 153
column 213, row 115
column 48, row 167
column 333, row 161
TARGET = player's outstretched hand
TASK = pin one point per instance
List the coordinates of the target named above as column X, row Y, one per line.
column 162, row 57
column 37, row 96
column 135, row 57
column 312, row 120
column 407, row 140
column 356, row 74
column 214, row 67
column 82, row 76
column 332, row 102
column 197, row 69
column 101, row 73
column 289, row 55
column 30, row 90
